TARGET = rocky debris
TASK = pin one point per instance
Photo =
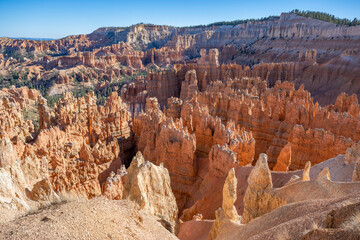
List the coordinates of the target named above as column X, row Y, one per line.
column 227, row 212
column 149, row 186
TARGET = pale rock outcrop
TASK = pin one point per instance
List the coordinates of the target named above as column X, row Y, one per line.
column 229, row 196
column 114, row 186
column 227, row 213
column 258, row 199
column 149, row 186
column 18, row 169
column 12, row 194
column 7, row 155
column 324, row 175
column 356, row 173
column 332, row 218
column 306, row 172
column 352, row 154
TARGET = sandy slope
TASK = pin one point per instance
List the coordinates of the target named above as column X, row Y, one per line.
column 98, row 218
column 195, row 230
column 294, row 220
column 290, row 222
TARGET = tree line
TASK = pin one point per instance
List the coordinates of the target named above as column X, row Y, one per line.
column 327, row 17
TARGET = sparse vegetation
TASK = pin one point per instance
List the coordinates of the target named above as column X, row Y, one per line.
column 63, row 197
column 51, row 100
column 19, row 79
column 18, row 54
column 236, row 22
column 284, row 235
column 327, row 17
column 31, row 113
column 353, row 224
column 314, row 226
